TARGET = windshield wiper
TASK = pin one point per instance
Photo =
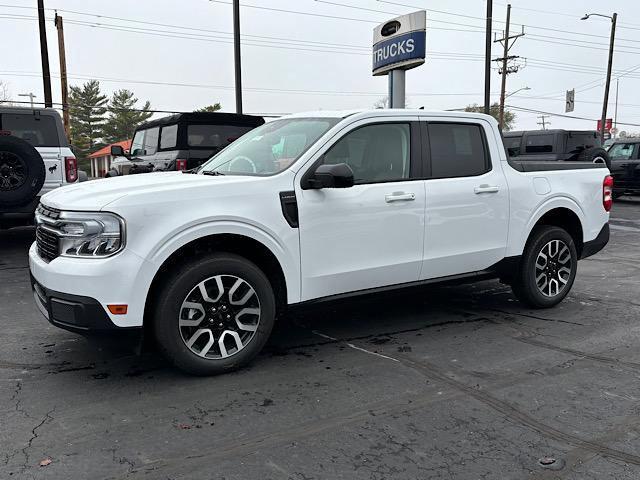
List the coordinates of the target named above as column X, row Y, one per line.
column 213, row 173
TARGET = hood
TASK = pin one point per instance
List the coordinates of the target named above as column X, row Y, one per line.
column 97, row 194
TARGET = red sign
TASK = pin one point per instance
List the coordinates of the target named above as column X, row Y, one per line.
column 607, row 125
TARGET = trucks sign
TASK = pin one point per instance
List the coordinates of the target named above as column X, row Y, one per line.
column 399, row 43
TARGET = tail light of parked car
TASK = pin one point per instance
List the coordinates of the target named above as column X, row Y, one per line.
column 181, row 164
column 607, row 193
column 71, row 167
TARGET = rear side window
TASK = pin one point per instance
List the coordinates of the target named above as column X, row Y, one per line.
column 577, row 142
column 168, row 136
column 539, row 143
column 39, row 131
column 457, row 150
column 512, row 144
column 151, row 140
column 214, row 136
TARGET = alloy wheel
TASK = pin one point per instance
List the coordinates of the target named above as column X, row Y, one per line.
column 13, row 171
column 219, row 316
column 553, row 268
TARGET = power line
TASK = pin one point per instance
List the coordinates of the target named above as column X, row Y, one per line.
column 531, row 110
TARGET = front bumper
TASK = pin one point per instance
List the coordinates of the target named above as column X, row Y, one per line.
column 71, row 312
column 74, row 293
column 594, row 246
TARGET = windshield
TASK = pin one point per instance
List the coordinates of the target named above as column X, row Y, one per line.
column 270, row 148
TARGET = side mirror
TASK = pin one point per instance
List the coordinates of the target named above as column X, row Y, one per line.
column 117, row 151
column 339, row 175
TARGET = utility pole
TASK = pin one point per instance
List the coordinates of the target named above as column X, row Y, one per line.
column 606, row 87
column 44, row 54
column 543, row 121
column 236, row 51
column 63, row 74
column 615, row 115
column 487, row 59
column 507, row 43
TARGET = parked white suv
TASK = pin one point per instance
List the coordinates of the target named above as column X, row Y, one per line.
column 35, row 158
column 308, row 207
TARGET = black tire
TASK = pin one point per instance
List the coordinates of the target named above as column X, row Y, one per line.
column 525, row 287
column 22, row 171
column 595, row 155
column 179, row 287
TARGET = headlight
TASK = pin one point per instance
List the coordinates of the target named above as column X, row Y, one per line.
column 86, row 234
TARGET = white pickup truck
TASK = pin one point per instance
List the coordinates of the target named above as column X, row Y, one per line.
column 309, row 207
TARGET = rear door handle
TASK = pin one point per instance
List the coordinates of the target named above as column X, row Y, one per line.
column 486, row 189
column 399, row 197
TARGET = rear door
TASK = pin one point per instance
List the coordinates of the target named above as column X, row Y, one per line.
column 41, row 131
column 467, row 199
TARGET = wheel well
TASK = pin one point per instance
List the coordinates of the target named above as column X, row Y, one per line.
column 566, row 219
column 246, row 247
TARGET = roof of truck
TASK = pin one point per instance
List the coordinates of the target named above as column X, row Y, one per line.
column 214, row 118
column 518, row 133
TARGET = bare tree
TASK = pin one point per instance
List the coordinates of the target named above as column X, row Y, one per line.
column 5, row 94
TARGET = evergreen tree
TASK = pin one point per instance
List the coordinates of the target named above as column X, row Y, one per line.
column 124, row 117
column 210, row 108
column 87, row 107
column 494, row 111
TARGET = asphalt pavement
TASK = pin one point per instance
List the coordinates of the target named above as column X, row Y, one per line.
column 456, row 382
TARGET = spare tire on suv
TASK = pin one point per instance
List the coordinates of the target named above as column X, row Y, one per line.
column 22, row 171
column 595, row 155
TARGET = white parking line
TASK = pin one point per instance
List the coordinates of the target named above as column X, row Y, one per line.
column 355, row 347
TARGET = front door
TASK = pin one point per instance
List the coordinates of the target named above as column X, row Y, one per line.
column 467, row 200
column 371, row 234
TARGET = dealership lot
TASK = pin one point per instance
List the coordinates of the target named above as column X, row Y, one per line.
column 442, row 382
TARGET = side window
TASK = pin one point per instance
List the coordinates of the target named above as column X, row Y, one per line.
column 457, row 150
column 621, row 151
column 512, row 144
column 151, row 141
column 539, row 143
column 168, row 136
column 577, row 142
column 137, row 145
column 375, row 153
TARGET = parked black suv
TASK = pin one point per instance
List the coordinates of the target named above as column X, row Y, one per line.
column 625, row 166
column 182, row 141
column 555, row 145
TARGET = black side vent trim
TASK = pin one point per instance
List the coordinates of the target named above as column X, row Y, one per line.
column 289, row 208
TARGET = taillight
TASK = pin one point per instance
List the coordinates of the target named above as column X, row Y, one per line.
column 71, row 167
column 181, row 164
column 607, row 193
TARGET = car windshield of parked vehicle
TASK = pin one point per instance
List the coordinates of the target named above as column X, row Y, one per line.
column 270, row 148
column 39, row 131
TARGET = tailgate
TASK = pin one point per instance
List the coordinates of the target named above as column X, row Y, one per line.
column 53, row 167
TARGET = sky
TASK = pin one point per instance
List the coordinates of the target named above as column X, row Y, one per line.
column 300, row 55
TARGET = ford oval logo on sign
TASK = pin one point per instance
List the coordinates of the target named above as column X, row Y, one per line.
column 399, row 43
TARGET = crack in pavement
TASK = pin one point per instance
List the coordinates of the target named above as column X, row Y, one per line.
column 34, row 435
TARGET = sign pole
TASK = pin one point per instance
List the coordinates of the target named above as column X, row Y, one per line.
column 397, row 79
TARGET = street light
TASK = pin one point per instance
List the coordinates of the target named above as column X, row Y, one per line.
column 613, row 19
column 30, row 95
column 519, row 90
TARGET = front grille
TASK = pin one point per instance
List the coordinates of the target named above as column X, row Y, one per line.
column 47, row 243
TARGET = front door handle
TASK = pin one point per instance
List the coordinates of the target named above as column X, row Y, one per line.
column 399, row 197
column 486, row 189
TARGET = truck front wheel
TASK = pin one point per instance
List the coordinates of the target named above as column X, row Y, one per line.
column 214, row 314
column 547, row 268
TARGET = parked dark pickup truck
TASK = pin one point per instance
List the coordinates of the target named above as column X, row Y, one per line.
column 554, row 146
column 625, row 166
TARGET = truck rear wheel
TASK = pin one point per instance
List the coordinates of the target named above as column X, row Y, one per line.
column 547, row 268
column 214, row 315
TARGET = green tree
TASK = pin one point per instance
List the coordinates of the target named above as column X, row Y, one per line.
column 87, row 107
column 494, row 111
column 124, row 117
column 210, row 108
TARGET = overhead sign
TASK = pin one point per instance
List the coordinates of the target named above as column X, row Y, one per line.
column 570, row 101
column 400, row 43
column 607, row 125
